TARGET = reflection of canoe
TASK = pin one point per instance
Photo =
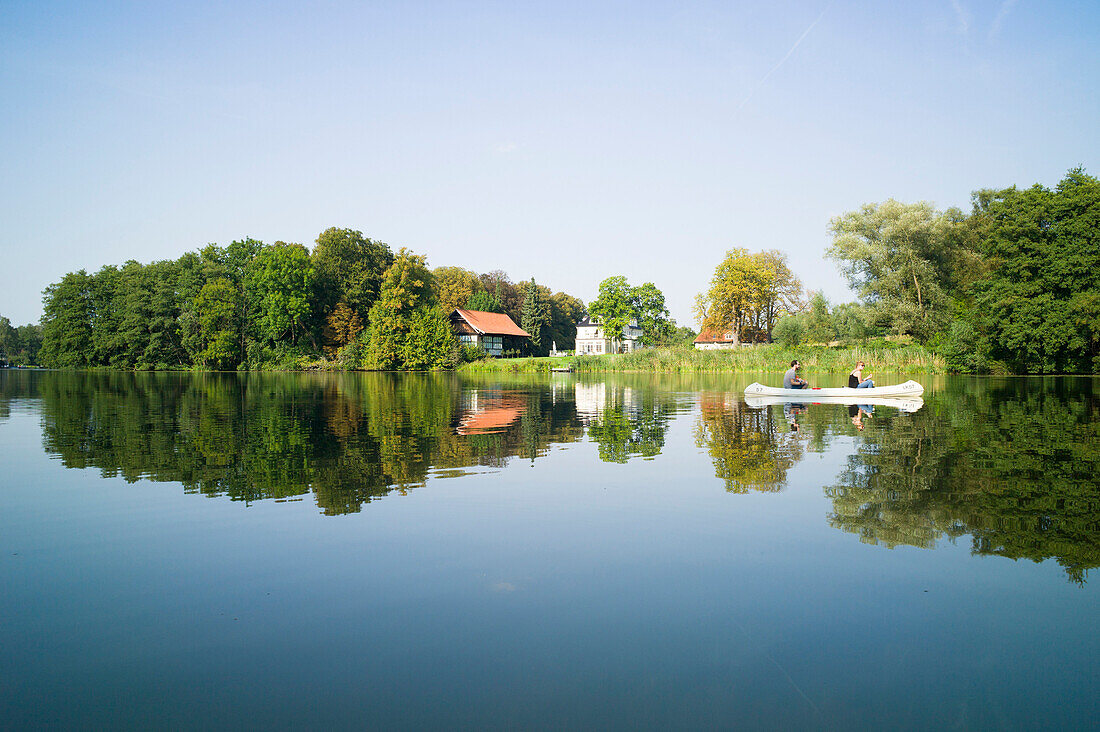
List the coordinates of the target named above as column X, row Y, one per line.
column 808, row 396
column 909, row 388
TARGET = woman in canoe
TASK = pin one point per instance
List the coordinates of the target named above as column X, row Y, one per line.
column 856, row 379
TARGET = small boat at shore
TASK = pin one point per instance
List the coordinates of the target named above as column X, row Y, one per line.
column 908, row 389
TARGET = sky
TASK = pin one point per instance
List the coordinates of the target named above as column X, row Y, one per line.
column 563, row 141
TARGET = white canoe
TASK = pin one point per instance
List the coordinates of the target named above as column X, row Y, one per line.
column 905, row 404
column 908, row 389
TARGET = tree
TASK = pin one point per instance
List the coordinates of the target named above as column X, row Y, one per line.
column 9, row 340
column 342, row 326
column 454, row 286
column 734, row 294
column 790, row 330
column 280, row 283
column 67, row 323
column 565, row 312
column 408, row 329
column 615, row 306
column 217, row 306
column 819, row 322
column 850, row 321
column 485, row 302
column 898, row 257
column 649, row 308
column 349, row 268
column 748, row 294
column 507, row 294
column 1037, row 307
column 535, row 318
column 780, row 291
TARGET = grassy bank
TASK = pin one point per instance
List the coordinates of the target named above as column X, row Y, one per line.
column 815, row 359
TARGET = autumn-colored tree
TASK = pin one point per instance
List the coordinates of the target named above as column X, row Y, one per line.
column 734, row 293
column 454, row 286
column 749, row 291
column 341, row 327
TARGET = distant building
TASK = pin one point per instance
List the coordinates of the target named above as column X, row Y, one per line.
column 717, row 340
column 593, row 339
column 494, row 332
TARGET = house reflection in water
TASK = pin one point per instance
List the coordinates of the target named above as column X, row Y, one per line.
column 489, row 411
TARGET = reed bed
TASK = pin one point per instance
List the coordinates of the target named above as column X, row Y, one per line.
column 815, row 359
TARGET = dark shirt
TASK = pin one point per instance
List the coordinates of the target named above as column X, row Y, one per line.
column 853, row 382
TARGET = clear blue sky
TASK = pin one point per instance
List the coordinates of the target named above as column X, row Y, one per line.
column 564, row 141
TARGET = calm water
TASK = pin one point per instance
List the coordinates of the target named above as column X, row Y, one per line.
column 435, row 551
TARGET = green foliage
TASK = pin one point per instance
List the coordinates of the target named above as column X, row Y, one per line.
column 536, row 318
column 349, row 267
column 280, row 282
column 683, row 337
column 19, row 346
column 615, row 305
column 1038, row 308
column 407, row 329
column 819, row 322
column 565, row 312
column 471, row 352
column 619, row 305
column 485, row 302
column 67, row 323
column 218, row 334
column 850, row 322
column 899, row 258
column 789, row 331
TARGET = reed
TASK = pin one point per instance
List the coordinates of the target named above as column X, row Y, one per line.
column 771, row 357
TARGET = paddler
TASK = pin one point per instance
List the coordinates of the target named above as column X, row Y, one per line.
column 791, row 379
column 856, row 379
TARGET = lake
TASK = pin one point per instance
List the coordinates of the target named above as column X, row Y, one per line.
column 436, row 550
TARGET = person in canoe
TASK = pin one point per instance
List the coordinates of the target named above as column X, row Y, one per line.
column 856, row 379
column 791, row 379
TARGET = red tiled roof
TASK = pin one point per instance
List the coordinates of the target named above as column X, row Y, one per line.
column 714, row 336
column 491, row 323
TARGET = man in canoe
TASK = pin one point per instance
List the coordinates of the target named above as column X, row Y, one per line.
column 856, row 379
column 791, row 379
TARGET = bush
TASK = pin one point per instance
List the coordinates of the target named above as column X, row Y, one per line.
column 789, row 331
column 470, row 352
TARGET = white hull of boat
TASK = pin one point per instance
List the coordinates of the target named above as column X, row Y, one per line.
column 908, row 389
column 807, row 396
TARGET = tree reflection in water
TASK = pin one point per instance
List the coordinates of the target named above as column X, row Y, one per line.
column 1011, row 463
column 751, row 448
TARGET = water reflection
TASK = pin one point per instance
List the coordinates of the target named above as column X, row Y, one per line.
column 752, row 449
column 1015, row 465
column 1011, row 463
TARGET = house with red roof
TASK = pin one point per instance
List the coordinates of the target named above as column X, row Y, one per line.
column 495, row 333
column 717, row 340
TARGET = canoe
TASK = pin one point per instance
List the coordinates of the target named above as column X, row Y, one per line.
column 908, row 389
column 905, row 404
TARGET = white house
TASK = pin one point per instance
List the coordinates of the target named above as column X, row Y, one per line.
column 592, row 338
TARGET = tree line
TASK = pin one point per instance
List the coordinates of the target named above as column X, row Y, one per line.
column 1013, row 286
column 251, row 305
